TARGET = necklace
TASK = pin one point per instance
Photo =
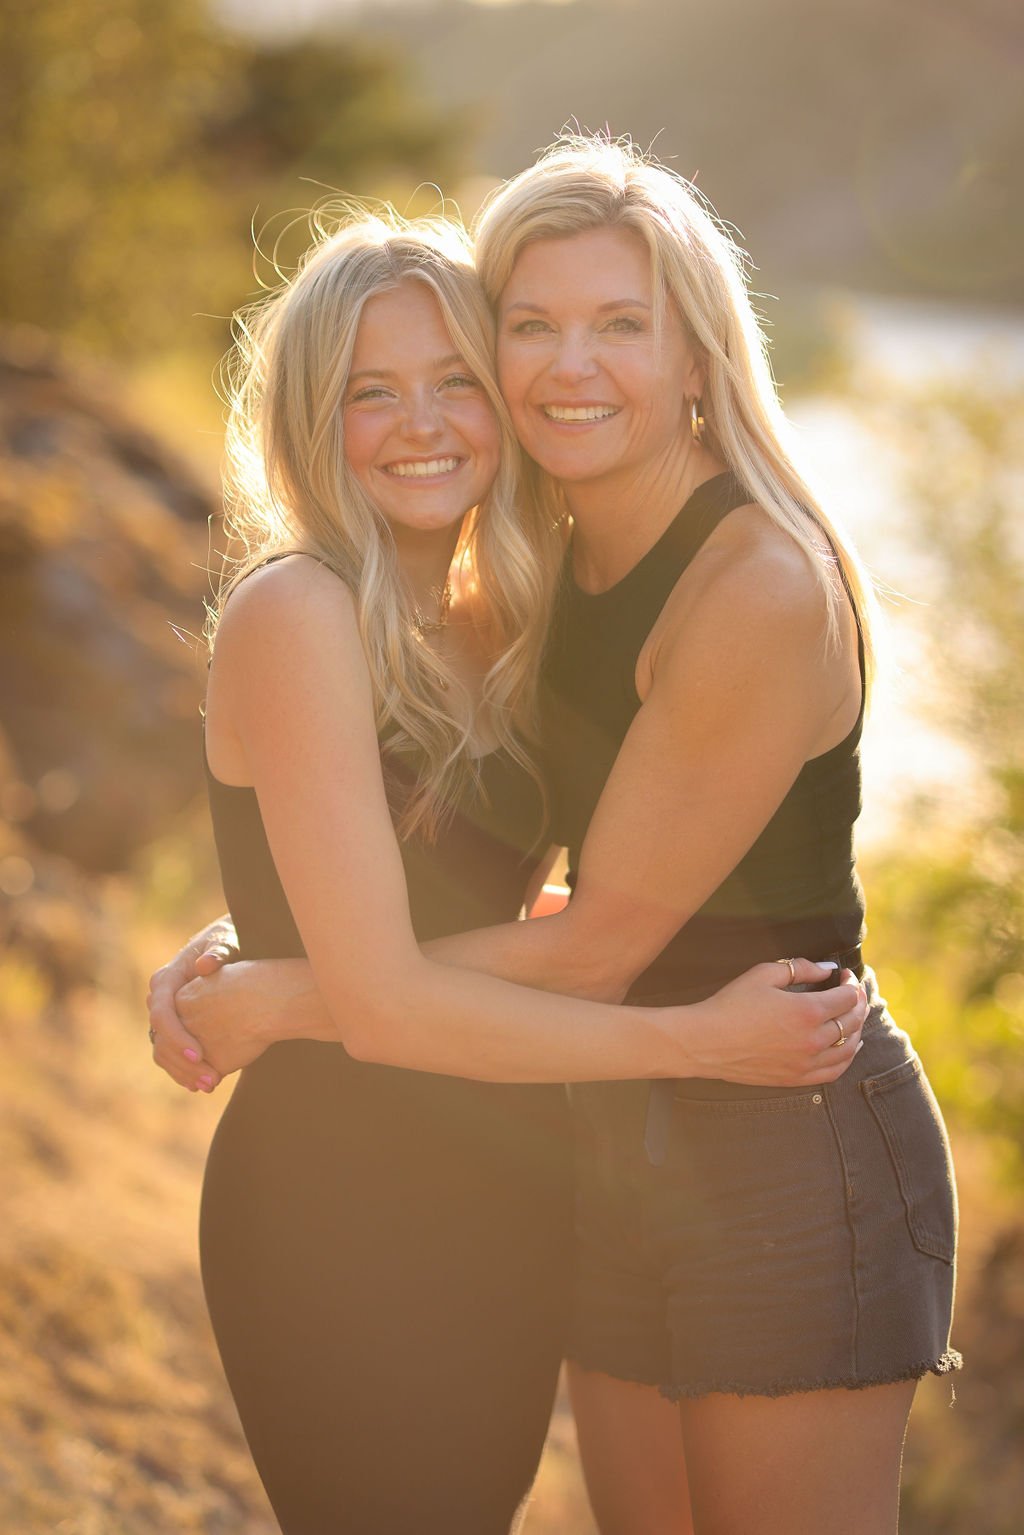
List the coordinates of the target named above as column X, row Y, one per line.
column 424, row 625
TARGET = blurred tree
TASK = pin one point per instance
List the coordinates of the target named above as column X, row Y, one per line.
column 139, row 140
column 950, row 905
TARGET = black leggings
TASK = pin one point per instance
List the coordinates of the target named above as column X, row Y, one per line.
column 386, row 1262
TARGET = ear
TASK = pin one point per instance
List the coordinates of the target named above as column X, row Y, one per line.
column 696, row 372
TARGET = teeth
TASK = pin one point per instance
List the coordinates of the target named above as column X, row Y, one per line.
column 579, row 412
column 422, row 469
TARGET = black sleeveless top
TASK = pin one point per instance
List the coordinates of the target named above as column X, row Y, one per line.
column 796, row 890
column 475, row 874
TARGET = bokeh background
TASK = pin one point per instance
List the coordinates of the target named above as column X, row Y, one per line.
column 869, row 154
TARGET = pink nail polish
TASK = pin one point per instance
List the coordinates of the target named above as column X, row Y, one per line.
column 206, row 1082
column 191, row 1055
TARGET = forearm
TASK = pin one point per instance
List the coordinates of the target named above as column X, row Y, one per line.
column 547, row 953
column 284, row 1001
column 458, row 1022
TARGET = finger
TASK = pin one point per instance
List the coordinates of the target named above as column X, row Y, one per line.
column 800, row 972
column 214, row 958
column 851, row 1014
column 818, row 1007
column 178, row 1052
column 197, row 1077
column 832, row 1072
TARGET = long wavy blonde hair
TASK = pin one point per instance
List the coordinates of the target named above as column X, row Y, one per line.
column 582, row 183
column 289, row 489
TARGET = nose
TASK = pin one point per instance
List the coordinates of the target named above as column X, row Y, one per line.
column 573, row 361
column 423, row 421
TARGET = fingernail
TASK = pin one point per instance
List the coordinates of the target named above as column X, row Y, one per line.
column 827, row 964
column 860, row 1046
column 191, row 1055
column 206, row 1082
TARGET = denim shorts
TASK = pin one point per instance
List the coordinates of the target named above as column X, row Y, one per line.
column 789, row 1239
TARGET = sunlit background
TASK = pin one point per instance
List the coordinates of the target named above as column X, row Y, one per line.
column 869, row 156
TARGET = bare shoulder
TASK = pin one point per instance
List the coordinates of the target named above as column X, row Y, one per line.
column 284, row 591
column 288, row 594
column 749, row 579
column 749, row 559
column 292, row 622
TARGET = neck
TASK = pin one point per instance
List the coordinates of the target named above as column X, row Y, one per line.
column 618, row 518
column 425, row 560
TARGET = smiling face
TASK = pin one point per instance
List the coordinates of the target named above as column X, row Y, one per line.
column 598, row 391
column 420, row 434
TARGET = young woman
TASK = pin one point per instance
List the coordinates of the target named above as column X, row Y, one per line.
column 384, row 1251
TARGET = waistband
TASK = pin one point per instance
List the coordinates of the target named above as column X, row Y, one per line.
column 846, row 959
column 662, row 1092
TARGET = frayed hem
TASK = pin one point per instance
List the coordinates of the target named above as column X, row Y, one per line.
column 945, row 1364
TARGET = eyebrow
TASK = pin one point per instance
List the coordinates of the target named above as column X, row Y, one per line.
column 438, row 365
column 614, row 303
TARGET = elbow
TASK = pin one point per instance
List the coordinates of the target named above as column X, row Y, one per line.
column 373, row 1024
column 595, row 963
column 370, row 1042
column 366, row 1033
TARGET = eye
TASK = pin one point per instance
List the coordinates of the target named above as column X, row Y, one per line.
column 624, row 325
column 460, row 381
column 369, row 393
column 529, row 327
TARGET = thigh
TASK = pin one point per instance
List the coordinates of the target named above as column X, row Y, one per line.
column 619, row 1319
column 390, row 1314
column 797, row 1465
column 631, row 1450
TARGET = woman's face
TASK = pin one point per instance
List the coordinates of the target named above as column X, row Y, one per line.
column 593, row 391
column 420, row 434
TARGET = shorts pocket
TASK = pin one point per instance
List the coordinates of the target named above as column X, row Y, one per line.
column 910, row 1120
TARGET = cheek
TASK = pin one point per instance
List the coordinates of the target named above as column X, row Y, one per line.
column 512, row 379
column 360, row 446
column 480, row 428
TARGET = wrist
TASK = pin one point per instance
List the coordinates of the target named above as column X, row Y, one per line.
column 667, row 1034
column 686, row 1028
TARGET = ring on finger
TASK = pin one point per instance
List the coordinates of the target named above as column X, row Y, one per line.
column 837, row 1043
column 792, row 969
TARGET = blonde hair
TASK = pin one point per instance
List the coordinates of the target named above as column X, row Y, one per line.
column 289, row 489
column 582, row 183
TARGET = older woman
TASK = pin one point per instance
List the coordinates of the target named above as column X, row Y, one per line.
column 782, row 1264
column 384, row 1251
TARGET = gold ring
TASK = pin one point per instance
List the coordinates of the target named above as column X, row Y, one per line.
column 838, row 1043
column 792, row 969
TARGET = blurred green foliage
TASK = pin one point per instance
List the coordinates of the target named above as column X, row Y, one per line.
column 141, row 142
column 948, row 907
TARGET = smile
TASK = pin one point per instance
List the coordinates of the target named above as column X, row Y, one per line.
column 423, row 469
column 579, row 412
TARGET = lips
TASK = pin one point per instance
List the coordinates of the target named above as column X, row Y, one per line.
column 576, row 413
column 422, row 468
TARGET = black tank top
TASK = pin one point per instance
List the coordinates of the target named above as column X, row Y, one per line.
column 474, row 875
column 796, row 890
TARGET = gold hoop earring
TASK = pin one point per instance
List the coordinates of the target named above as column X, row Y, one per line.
column 696, row 422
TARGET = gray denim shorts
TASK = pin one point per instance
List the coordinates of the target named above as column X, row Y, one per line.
column 789, row 1240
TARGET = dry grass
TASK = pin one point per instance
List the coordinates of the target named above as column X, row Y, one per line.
column 114, row 1416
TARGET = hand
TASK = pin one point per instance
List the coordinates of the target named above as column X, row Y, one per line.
column 757, row 1032
column 175, row 1050
column 239, row 1010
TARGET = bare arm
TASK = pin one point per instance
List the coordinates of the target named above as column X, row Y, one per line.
column 290, row 695
column 740, row 691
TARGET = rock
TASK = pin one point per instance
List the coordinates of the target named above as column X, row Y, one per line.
column 104, row 545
